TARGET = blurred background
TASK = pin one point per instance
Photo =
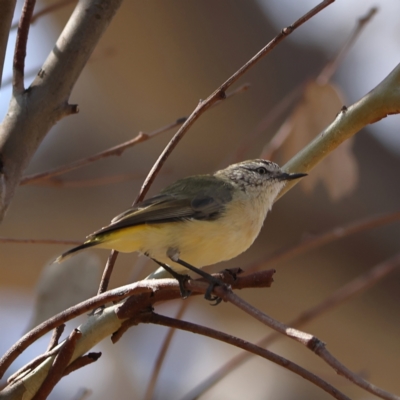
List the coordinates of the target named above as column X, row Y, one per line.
column 155, row 62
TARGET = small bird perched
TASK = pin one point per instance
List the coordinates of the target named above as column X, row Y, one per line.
column 202, row 219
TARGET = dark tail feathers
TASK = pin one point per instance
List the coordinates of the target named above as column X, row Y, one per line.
column 68, row 253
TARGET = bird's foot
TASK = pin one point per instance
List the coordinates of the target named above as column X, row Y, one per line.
column 209, row 278
column 182, row 279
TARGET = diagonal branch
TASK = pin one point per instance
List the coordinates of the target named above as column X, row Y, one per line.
column 340, row 296
column 143, row 294
column 308, row 340
column 115, row 150
column 33, row 112
column 20, row 46
column 219, row 94
column 232, row 340
column 7, row 8
column 380, row 102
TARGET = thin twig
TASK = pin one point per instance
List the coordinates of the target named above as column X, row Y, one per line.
column 60, row 362
column 112, row 151
column 273, row 114
column 352, row 377
column 232, row 340
column 38, row 241
column 55, row 337
column 308, row 340
column 219, row 94
column 69, row 183
column 326, row 74
column 323, row 78
column 20, row 46
column 108, row 269
column 145, row 187
column 81, row 362
column 344, row 293
column 162, row 354
column 155, row 291
column 325, row 238
column 31, row 365
column 46, row 10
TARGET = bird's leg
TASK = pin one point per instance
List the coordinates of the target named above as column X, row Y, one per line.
column 209, row 278
column 174, row 254
column 179, row 277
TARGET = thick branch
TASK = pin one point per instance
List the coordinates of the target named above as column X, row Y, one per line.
column 101, row 325
column 377, row 104
column 32, row 113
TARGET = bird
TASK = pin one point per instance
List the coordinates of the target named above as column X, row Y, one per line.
column 201, row 219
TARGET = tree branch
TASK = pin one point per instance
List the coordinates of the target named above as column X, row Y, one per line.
column 141, row 295
column 20, row 46
column 330, row 236
column 115, row 150
column 7, row 8
column 380, row 102
column 220, row 94
column 33, row 112
column 47, row 10
column 232, row 340
column 344, row 293
column 308, row 340
column 61, row 360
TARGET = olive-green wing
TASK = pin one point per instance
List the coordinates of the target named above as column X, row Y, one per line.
column 200, row 198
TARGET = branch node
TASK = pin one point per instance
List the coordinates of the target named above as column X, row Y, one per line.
column 288, row 30
column 315, row 345
column 221, row 94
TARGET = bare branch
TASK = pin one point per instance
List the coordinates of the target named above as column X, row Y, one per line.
column 79, row 183
column 31, row 365
column 38, row 241
column 273, row 114
column 346, row 292
column 143, row 294
column 33, row 112
column 232, row 340
column 81, row 362
column 47, row 10
column 219, row 94
column 61, row 361
column 162, row 354
column 383, row 100
column 55, row 337
column 326, row 74
column 113, row 151
column 7, row 8
column 20, row 46
column 351, row 376
column 108, row 269
column 325, row 238
column 323, row 78
column 308, row 340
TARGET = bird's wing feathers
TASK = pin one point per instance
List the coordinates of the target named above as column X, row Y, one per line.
column 185, row 199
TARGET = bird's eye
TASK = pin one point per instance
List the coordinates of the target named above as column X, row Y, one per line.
column 261, row 170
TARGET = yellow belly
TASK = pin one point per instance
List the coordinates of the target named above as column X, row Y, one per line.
column 199, row 243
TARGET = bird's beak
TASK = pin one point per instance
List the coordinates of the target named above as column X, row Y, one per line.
column 284, row 176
